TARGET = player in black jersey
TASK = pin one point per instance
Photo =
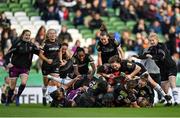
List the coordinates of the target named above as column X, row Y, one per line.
column 135, row 92
column 125, row 94
column 168, row 69
column 19, row 60
column 107, row 47
column 132, row 69
column 145, row 93
column 51, row 51
column 93, row 95
column 81, row 61
column 66, row 65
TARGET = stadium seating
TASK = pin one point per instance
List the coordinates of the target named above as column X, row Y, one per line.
column 20, row 14
column 111, row 12
column 3, row 5
column 35, row 18
column 113, row 19
column 24, row 1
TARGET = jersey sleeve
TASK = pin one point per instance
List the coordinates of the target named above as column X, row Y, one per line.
column 75, row 62
column 129, row 66
column 161, row 52
column 36, row 50
column 99, row 49
column 45, row 48
column 14, row 47
column 91, row 60
column 59, row 46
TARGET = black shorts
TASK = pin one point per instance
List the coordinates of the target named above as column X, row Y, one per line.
column 169, row 72
column 49, row 70
column 156, row 77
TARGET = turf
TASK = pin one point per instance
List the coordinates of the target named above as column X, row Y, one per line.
column 37, row 110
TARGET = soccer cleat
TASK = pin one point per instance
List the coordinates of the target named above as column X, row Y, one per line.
column 7, row 103
column 44, row 101
column 168, row 104
column 167, row 97
column 176, row 104
column 162, row 101
column 17, row 101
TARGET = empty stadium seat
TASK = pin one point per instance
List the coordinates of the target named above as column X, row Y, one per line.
column 14, row 5
column 52, row 22
column 16, row 10
column 72, row 31
column 89, row 41
column 35, row 18
column 25, row 1
column 8, row 14
column 56, row 27
column 39, row 23
column 16, row 26
column 22, row 19
column 3, row 5
column 26, row 6
column 14, row 22
column 25, row 23
column 114, row 19
column 19, row 14
column 33, row 13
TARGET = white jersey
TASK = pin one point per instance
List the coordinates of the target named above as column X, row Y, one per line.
column 50, row 89
column 60, row 80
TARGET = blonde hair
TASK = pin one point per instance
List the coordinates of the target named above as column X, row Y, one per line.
column 153, row 35
column 47, row 37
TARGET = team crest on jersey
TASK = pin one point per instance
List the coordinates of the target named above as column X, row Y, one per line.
column 123, row 93
column 116, row 43
column 129, row 65
column 97, row 46
column 142, row 92
column 93, row 84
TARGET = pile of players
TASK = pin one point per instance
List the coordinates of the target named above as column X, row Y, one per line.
column 73, row 80
column 101, row 91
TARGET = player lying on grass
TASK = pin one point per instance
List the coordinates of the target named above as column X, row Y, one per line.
column 131, row 93
column 58, row 85
column 85, row 96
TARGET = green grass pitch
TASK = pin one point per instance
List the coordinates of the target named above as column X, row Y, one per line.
column 37, row 110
